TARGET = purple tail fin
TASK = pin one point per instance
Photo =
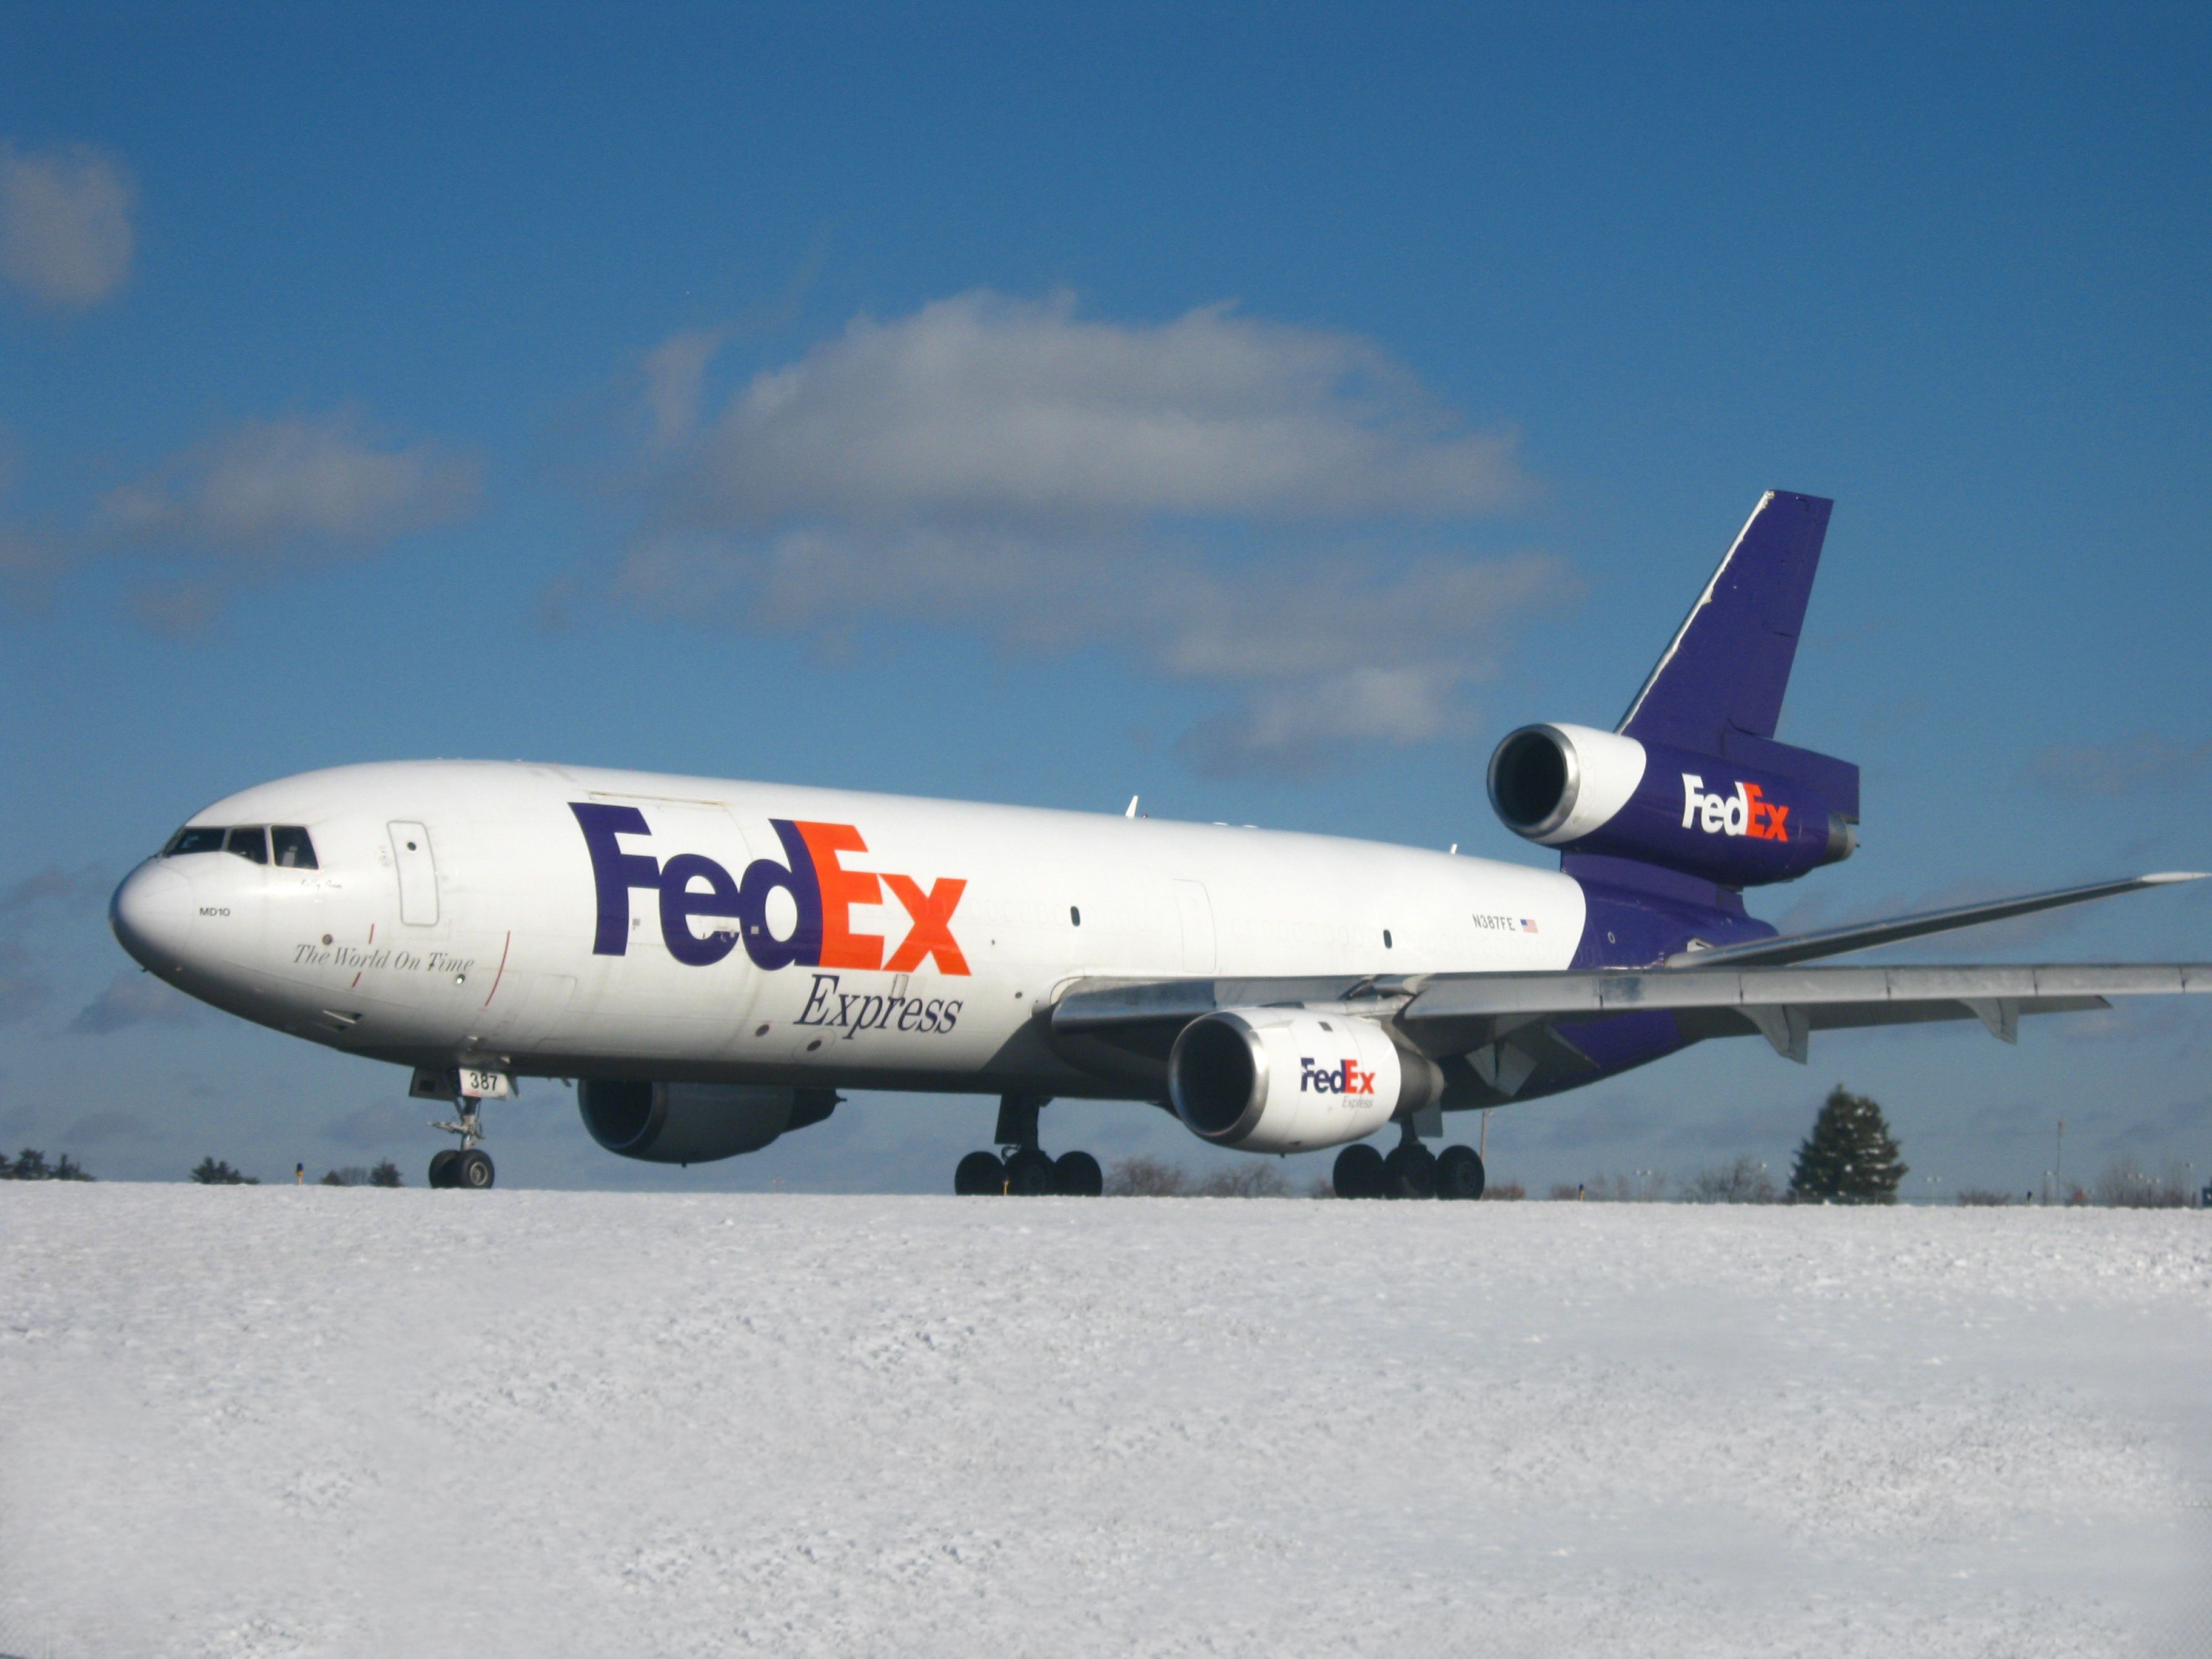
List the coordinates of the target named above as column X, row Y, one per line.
column 1725, row 673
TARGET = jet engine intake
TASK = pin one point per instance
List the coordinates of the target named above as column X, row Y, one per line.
column 1290, row 1080
column 694, row 1122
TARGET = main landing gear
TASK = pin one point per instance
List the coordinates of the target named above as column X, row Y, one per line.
column 1410, row 1170
column 467, row 1165
column 1026, row 1170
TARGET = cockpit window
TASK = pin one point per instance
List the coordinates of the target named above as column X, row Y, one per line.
column 293, row 848
column 194, row 838
column 249, row 842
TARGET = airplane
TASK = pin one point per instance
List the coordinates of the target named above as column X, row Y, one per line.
column 713, row 962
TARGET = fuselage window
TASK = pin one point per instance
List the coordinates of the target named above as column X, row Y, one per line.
column 250, row 841
column 293, row 849
column 194, row 838
column 1386, row 939
column 1074, row 916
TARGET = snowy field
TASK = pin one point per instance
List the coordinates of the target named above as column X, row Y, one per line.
column 271, row 1421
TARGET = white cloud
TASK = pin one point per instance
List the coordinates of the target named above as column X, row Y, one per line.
column 675, row 381
column 65, row 236
column 133, row 998
column 2145, row 763
column 23, row 987
column 64, row 890
column 985, row 406
column 294, row 489
column 1231, row 501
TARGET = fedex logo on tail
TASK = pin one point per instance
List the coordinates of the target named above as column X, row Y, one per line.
column 1346, row 1078
column 822, row 890
column 1747, row 812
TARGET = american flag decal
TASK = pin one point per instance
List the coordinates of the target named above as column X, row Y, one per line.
column 1527, row 925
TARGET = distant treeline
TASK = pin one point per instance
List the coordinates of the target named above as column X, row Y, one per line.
column 217, row 1172
column 30, row 1164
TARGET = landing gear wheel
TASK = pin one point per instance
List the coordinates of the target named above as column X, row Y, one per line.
column 1459, row 1173
column 980, row 1173
column 1029, row 1174
column 1358, row 1172
column 1410, row 1171
column 442, row 1167
column 472, row 1169
column 1077, row 1175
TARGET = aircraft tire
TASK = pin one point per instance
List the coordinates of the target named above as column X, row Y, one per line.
column 1358, row 1172
column 1029, row 1174
column 980, row 1173
column 1409, row 1171
column 1077, row 1175
column 1459, row 1173
column 442, row 1167
column 472, row 1169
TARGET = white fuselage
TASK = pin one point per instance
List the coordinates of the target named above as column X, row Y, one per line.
column 455, row 915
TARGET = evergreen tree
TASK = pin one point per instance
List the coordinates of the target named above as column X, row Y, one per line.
column 385, row 1174
column 211, row 1172
column 1850, row 1157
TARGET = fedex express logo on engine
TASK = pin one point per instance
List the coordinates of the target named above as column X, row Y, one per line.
column 823, row 891
column 1345, row 1078
column 1747, row 812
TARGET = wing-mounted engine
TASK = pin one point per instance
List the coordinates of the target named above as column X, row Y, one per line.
column 694, row 1122
column 1740, row 825
column 1291, row 1079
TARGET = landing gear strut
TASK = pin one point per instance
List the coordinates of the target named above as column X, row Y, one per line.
column 1411, row 1171
column 1026, row 1170
column 467, row 1165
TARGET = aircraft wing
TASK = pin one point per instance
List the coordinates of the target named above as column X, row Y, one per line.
column 1507, row 1025
column 1866, row 935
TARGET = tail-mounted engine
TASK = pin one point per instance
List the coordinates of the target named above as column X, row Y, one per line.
column 1586, row 790
column 1289, row 1080
column 694, row 1122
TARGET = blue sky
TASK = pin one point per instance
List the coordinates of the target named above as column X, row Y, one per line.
column 785, row 397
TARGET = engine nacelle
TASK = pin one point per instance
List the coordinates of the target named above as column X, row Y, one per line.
column 1586, row 790
column 694, row 1122
column 1286, row 1080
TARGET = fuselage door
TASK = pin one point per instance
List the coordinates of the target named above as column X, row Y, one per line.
column 418, row 874
column 1195, row 910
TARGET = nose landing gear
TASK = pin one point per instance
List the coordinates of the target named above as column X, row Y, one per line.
column 467, row 1165
column 1026, row 1170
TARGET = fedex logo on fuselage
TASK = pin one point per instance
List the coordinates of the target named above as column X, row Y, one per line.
column 1747, row 812
column 823, row 891
column 1347, row 1077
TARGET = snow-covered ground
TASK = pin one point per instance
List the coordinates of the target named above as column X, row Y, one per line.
column 270, row 1421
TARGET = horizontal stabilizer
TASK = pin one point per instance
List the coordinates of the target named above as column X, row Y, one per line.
column 1866, row 935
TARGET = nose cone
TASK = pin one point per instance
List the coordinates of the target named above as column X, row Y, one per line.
column 152, row 914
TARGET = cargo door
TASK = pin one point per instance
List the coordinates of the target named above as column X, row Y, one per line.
column 418, row 874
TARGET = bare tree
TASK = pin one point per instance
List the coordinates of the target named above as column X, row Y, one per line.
column 1641, row 1187
column 1254, row 1178
column 2127, row 1185
column 1984, row 1197
column 1742, row 1180
column 1146, row 1177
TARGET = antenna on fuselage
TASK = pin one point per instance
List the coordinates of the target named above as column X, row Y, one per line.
column 1132, row 812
